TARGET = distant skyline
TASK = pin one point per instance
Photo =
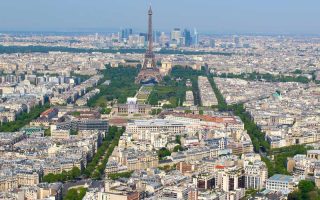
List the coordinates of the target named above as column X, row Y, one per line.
column 207, row 16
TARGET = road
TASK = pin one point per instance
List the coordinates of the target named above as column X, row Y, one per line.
column 70, row 184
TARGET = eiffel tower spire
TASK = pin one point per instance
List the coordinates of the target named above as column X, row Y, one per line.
column 150, row 35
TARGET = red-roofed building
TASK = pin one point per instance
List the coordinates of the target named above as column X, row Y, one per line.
column 219, row 167
column 50, row 113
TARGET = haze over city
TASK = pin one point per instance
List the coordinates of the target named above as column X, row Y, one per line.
column 160, row 100
column 208, row 16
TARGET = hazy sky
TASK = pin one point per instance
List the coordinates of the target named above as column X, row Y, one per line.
column 214, row 16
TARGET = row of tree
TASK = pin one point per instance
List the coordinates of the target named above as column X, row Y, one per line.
column 255, row 133
column 280, row 157
column 192, row 75
column 266, row 77
column 96, row 168
column 24, row 119
column 47, row 49
column 222, row 104
column 116, row 176
column 173, row 87
column 62, row 177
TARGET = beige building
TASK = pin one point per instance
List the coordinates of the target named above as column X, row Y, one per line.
column 8, row 183
column 8, row 116
column 207, row 96
column 60, row 134
column 19, row 179
column 113, row 192
column 132, row 107
column 135, row 159
column 155, row 125
column 165, row 68
column 189, row 99
column 28, row 179
column 256, row 175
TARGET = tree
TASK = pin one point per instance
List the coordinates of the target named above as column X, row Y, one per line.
column 105, row 110
column 177, row 148
column 116, row 176
column 24, row 119
column 64, row 176
column 166, row 79
column 178, row 139
column 75, row 172
column 306, row 191
column 314, row 195
column 96, row 175
column 156, row 111
column 76, row 113
column 73, row 132
column 47, row 132
column 295, row 195
column 75, row 194
column 72, row 194
column 94, row 168
column 163, row 152
column 168, row 106
column 306, row 186
column 49, row 178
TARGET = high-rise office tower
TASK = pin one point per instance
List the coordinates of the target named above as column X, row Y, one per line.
column 187, row 38
column 196, row 38
column 176, row 35
column 145, row 35
column 156, row 36
column 212, row 43
column 163, row 39
column 125, row 33
column 237, row 42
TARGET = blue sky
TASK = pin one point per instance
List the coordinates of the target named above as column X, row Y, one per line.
column 215, row 16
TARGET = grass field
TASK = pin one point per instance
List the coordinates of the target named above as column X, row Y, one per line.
column 143, row 93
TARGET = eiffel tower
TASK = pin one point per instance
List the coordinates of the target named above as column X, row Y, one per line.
column 149, row 73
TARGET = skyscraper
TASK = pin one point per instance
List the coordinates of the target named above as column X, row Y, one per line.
column 196, row 39
column 175, row 35
column 237, row 42
column 145, row 35
column 163, row 39
column 125, row 33
column 156, row 36
column 212, row 43
column 187, row 37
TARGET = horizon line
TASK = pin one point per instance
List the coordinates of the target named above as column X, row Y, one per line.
column 117, row 30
